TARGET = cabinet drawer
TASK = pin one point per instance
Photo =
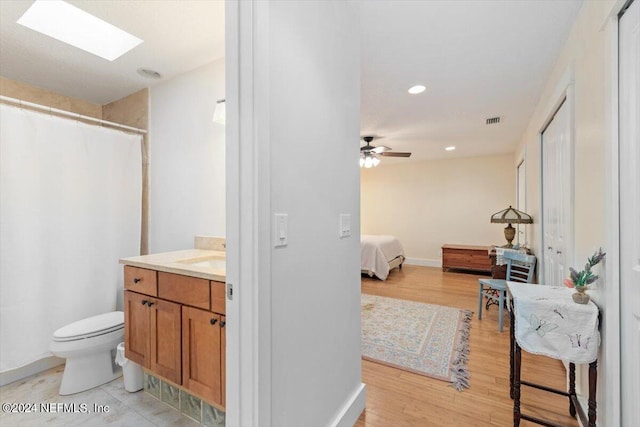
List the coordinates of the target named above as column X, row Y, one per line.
column 218, row 297
column 184, row 289
column 140, row 280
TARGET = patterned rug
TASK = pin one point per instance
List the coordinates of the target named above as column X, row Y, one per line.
column 426, row 339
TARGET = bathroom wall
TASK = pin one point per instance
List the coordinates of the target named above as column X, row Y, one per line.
column 133, row 110
column 187, row 161
column 25, row 92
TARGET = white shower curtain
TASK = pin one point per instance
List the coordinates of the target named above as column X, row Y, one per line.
column 70, row 206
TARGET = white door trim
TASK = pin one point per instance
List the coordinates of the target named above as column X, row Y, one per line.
column 248, row 376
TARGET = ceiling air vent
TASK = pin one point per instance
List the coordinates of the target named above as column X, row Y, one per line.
column 493, row 120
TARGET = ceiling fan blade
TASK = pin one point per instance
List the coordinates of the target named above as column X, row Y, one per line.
column 394, row 154
column 380, row 149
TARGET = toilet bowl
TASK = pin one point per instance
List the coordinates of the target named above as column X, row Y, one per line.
column 89, row 345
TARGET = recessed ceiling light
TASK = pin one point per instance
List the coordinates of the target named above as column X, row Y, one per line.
column 148, row 73
column 413, row 90
column 450, row 148
column 67, row 23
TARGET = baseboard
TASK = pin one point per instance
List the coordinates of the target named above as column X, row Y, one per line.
column 424, row 262
column 349, row 414
column 8, row 377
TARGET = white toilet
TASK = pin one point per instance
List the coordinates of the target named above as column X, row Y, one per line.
column 89, row 346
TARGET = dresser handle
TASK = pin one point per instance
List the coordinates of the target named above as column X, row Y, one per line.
column 144, row 302
column 150, row 303
column 213, row 321
column 222, row 323
column 136, row 280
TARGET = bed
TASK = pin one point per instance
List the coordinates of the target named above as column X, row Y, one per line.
column 379, row 254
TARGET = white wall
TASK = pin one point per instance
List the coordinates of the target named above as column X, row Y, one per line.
column 314, row 106
column 187, row 160
column 583, row 62
column 293, row 118
column 430, row 203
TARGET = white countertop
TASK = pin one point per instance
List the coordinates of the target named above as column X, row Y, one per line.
column 205, row 264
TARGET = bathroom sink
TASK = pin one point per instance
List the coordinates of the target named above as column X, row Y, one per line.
column 216, row 263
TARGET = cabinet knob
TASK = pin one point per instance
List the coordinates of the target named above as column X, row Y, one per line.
column 136, row 280
column 558, row 252
column 144, row 302
column 149, row 303
column 549, row 247
column 222, row 323
column 213, row 321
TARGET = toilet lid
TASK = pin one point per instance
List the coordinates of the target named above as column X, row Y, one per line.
column 100, row 324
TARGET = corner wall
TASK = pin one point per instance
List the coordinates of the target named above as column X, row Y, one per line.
column 429, row 203
column 314, row 106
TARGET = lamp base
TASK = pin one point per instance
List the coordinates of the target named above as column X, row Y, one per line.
column 509, row 234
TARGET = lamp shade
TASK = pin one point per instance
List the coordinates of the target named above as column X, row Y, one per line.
column 511, row 216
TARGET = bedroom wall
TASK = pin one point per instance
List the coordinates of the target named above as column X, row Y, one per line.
column 187, row 161
column 585, row 60
column 430, row 203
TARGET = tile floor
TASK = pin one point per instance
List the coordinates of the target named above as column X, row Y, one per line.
column 125, row 409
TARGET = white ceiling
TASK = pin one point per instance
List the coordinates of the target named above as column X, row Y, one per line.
column 179, row 35
column 477, row 58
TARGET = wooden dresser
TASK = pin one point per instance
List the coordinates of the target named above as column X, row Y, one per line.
column 466, row 257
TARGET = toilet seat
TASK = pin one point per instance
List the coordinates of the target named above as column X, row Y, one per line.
column 91, row 327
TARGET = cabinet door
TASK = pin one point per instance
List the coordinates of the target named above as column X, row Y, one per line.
column 223, row 361
column 136, row 328
column 201, row 353
column 165, row 358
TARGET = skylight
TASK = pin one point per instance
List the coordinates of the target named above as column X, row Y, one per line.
column 67, row 23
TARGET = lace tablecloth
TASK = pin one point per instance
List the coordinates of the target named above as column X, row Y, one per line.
column 548, row 322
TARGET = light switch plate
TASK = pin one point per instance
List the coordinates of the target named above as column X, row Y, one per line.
column 345, row 225
column 280, row 229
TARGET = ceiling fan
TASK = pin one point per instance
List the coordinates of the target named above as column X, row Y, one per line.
column 369, row 154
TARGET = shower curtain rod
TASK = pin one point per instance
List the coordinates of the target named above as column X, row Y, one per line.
column 69, row 114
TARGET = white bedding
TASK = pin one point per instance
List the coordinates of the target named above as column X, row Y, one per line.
column 376, row 251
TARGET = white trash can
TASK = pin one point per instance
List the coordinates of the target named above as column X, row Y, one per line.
column 131, row 371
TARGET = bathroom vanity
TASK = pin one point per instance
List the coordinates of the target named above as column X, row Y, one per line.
column 174, row 306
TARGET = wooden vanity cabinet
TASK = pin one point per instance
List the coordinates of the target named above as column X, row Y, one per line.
column 201, row 355
column 175, row 328
column 136, row 328
column 152, row 331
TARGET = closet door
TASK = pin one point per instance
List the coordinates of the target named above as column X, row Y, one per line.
column 629, row 90
column 556, row 196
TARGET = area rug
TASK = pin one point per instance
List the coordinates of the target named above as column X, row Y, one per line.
column 426, row 339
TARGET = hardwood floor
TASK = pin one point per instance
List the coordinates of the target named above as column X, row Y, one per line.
column 400, row 398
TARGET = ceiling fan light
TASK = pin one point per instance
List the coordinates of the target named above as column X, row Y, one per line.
column 376, row 161
column 414, row 90
column 361, row 162
column 368, row 162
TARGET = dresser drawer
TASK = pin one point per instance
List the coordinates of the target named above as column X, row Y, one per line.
column 140, row 280
column 184, row 289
